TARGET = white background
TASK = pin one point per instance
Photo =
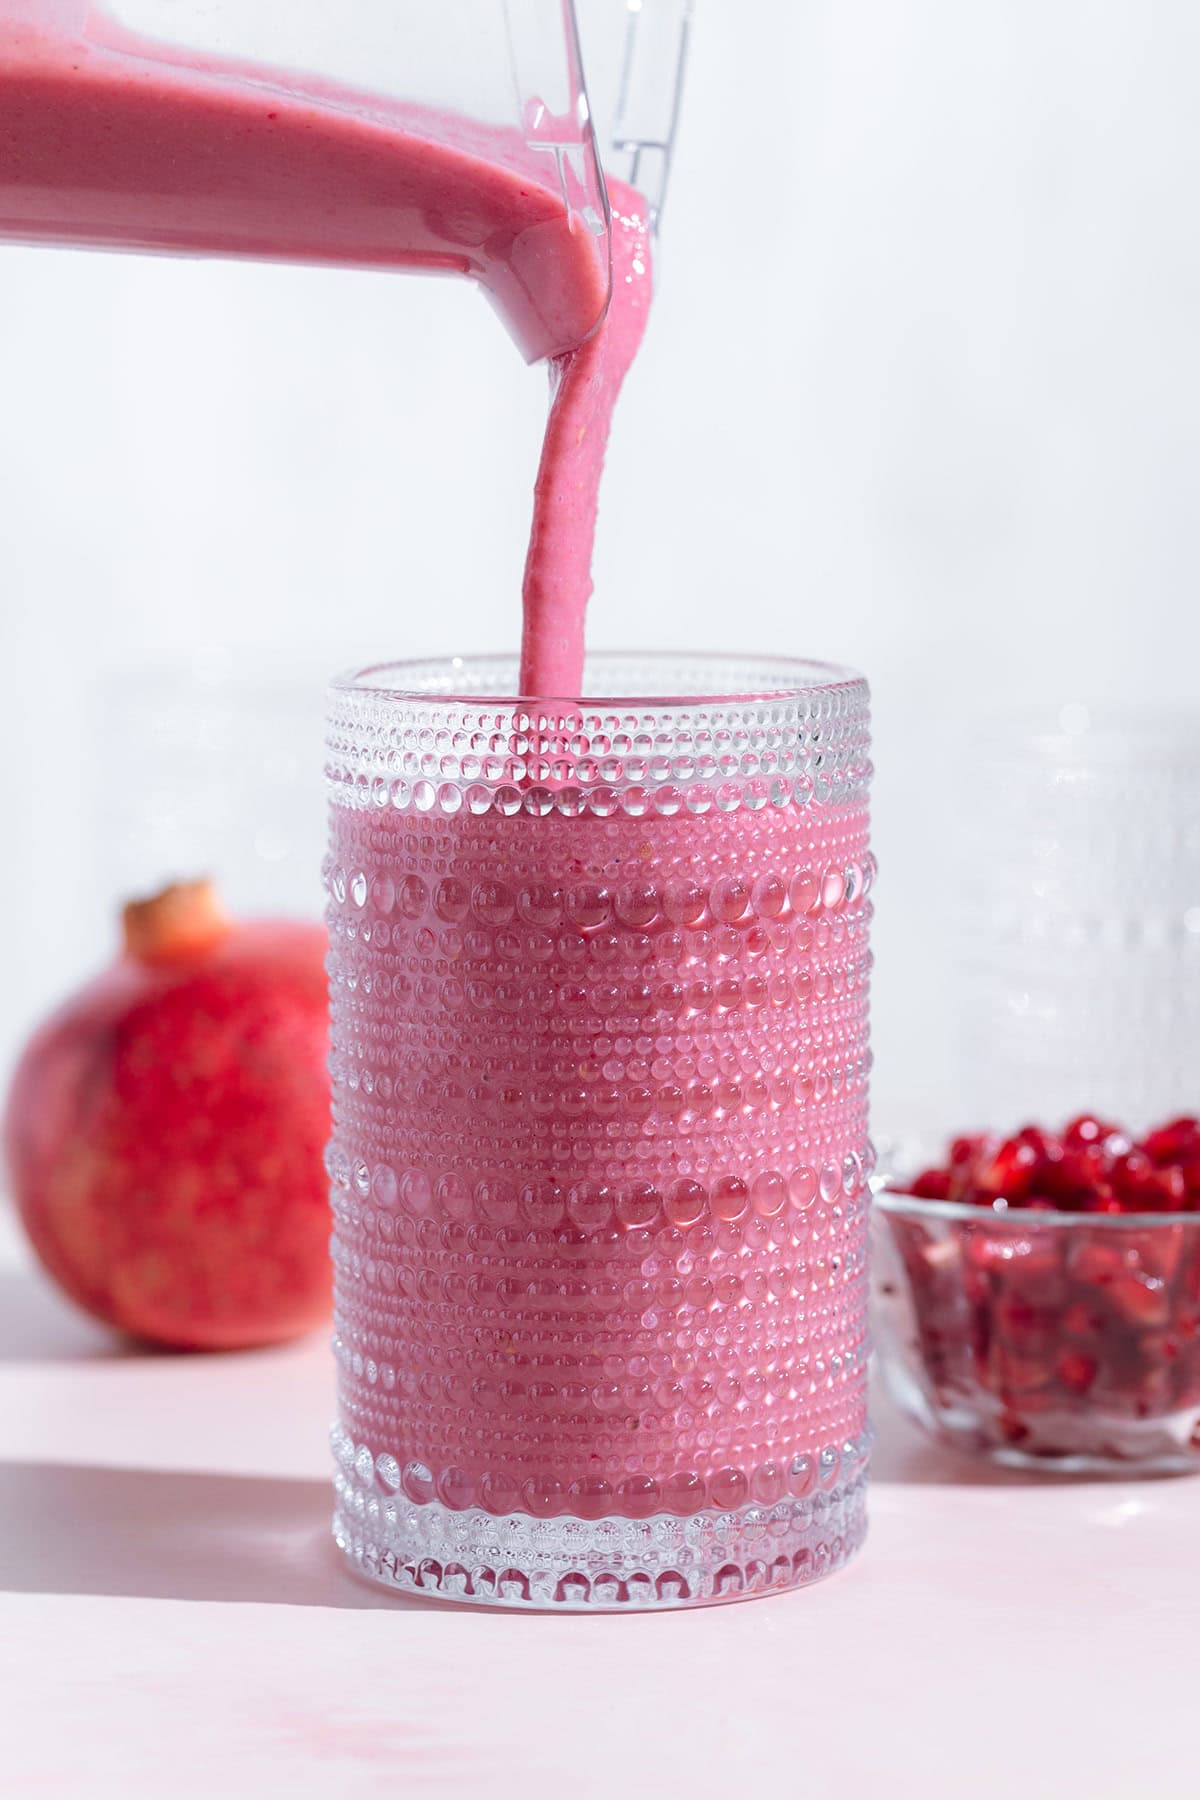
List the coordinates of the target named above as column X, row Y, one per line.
column 922, row 393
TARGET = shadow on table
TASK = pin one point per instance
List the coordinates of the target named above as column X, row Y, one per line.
column 38, row 1325
column 151, row 1535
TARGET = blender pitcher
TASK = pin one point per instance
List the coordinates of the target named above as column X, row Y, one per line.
column 369, row 133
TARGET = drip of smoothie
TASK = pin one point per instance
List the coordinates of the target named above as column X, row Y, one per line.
column 584, row 385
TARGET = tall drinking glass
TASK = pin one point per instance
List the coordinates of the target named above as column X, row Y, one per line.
column 1079, row 934
column 599, row 978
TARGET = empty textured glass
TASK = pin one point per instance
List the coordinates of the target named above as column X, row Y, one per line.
column 207, row 767
column 599, row 997
column 1080, row 931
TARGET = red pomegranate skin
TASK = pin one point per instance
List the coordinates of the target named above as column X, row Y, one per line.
column 165, row 1135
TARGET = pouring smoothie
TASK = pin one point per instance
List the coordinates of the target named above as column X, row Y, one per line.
column 598, row 969
column 114, row 141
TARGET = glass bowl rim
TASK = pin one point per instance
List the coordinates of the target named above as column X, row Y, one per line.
column 892, row 1197
column 800, row 677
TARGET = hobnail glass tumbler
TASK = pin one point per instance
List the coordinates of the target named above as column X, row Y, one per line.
column 1079, row 940
column 599, row 978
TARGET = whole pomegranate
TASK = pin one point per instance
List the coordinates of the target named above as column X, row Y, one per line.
column 165, row 1130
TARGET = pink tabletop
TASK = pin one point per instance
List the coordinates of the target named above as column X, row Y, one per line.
column 173, row 1622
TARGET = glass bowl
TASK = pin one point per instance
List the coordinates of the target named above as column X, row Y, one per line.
column 1048, row 1340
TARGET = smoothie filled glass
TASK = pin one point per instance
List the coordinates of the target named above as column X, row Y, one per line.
column 599, row 976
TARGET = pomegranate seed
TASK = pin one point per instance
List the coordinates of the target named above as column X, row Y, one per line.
column 1174, row 1189
column 1082, row 1321
column 1012, row 1373
column 1104, row 1201
column 1095, row 1264
column 1080, row 1176
column 1087, row 1130
column 1002, row 1253
column 1142, row 1299
column 1008, row 1175
column 932, row 1184
column 1044, row 1144
column 1014, row 1314
column 1076, row 1371
column 1157, row 1252
column 1178, row 1142
column 966, row 1155
column 968, row 1149
column 1023, row 1322
column 1142, row 1187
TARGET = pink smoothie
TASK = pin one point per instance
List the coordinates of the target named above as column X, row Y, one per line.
column 600, row 1090
column 584, row 389
column 117, row 142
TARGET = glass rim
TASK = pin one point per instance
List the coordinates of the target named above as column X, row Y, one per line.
column 890, row 1198
column 798, row 678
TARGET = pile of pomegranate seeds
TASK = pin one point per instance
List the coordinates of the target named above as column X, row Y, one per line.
column 1061, row 1338
column 1092, row 1167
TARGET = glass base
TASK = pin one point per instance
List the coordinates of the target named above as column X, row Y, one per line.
column 1086, row 1441
column 1116, row 1468
column 598, row 1565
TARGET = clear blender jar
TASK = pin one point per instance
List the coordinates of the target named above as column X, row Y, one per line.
column 381, row 133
